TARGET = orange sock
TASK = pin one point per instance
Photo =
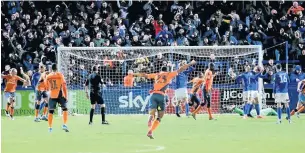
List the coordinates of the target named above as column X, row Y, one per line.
column 36, row 113
column 210, row 113
column 65, row 117
column 50, row 119
column 154, row 125
column 45, row 110
column 197, row 110
column 301, row 109
column 12, row 111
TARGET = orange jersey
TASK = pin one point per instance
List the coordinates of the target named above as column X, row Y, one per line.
column 208, row 79
column 55, row 83
column 128, row 81
column 197, row 82
column 161, row 81
column 41, row 86
column 11, row 82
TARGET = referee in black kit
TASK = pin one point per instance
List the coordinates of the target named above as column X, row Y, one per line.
column 93, row 83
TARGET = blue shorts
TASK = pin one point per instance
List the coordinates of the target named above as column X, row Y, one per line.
column 157, row 101
column 302, row 98
column 8, row 95
column 40, row 94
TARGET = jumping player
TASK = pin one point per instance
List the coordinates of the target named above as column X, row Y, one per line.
column 280, row 89
column 301, row 103
column 41, row 94
column 181, row 93
column 197, row 83
column 56, row 84
column 93, row 83
column 157, row 98
column 207, row 89
column 10, row 88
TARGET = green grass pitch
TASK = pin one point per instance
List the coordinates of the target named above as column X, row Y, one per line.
column 127, row 134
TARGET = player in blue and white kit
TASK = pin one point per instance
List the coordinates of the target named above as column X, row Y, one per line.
column 250, row 94
column 181, row 93
column 244, row 79
column 253, row 88
column 280, row 89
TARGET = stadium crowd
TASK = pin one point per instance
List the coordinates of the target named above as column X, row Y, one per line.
column 32, row 30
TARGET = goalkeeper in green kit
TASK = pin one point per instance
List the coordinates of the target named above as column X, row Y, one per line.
column 264, row 112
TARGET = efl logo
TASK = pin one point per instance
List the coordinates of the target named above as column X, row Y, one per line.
column 227, row 95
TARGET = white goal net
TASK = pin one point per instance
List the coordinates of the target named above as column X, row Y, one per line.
column 114, row 63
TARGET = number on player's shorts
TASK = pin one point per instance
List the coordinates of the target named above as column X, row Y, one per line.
column 283, row 78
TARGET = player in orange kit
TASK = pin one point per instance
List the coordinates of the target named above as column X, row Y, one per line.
column 158, row 98
column 40, row 93
column 56, row 84
column 11, row 84
column 197, row 84
column 207, row 89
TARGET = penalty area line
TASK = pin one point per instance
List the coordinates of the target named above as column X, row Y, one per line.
column 152, row 148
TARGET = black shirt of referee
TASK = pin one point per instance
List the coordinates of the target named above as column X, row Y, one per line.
column 94, row 82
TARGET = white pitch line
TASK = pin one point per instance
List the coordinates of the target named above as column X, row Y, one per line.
column 155, row 149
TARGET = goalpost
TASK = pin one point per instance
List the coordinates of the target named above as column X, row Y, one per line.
column 114, row 62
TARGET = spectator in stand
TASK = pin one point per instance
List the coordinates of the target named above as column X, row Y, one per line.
column 129, row 79
column 123, row 6
column 32, row 31
column 297, row 75
column 295, row 9
column 98, row 41
column 148, row 7
column 270, row 67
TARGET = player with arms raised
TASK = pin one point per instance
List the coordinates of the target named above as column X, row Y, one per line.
column 157, row 98
column 197, row 83
column 41, row 94
column 10, row 89
column 56, row 84
column 253, row 79
column 93, row 82
column 280, row 89
column 181, row 93
column 207, row 90
column 245, row 79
